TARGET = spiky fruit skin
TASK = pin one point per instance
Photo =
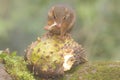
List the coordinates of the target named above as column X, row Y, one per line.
column 51, row 56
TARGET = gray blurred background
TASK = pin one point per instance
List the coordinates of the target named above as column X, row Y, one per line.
column 97, row 26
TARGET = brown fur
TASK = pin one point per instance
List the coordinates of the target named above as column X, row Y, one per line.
column 61, row 15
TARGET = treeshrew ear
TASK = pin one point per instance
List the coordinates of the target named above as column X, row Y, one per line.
column 50, row 13
column 66, row 10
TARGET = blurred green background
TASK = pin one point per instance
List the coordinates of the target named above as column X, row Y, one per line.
column 97, row 26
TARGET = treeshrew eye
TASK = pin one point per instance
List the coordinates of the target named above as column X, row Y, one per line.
column 64, row 17
column 54, row 16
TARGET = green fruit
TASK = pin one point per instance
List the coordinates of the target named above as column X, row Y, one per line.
column 51, row 56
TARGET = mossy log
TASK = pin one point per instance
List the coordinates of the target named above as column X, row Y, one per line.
column 14, row 69
column 94, row 71
column 86, row 71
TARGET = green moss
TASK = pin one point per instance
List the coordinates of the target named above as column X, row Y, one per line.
column 16, row 67
column 95, row 71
